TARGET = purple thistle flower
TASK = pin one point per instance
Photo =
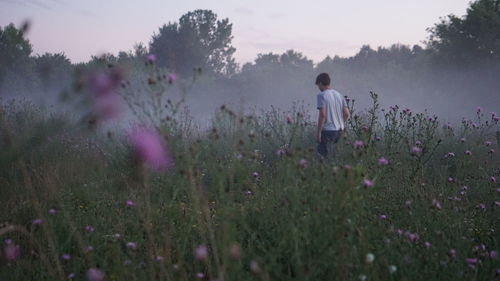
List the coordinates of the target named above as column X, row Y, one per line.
column 400, row 232
column 378, row 138
column 462, row 193
column 415, row 150
column 498, row 190
column 95, row 274
column 482, row 206
column 491, row 151
column 471, row 261
column 358, row 144
column 200, row 275
column 494, row 255
column 367, row 183
column 89, row 228
column 382, row 217
column 151, row 58
column 493, row 179
column 452, row 253
column 487, row 143
column 201, row 253
column 450, row 179
column 382, row 161
column 149, row 148
column 131, row 245
column 497, row 203
column 303, row 163
column 436, row 204
column 36, row 221
column 66, row 257
column 71, row 276
column 465, row 188
column 289, row 119
column 52, row 211
column 468, row 152
column 255, row 174
column 171, row 78
column 462, row 140
column 11, row 252
column 427, row 244
column 449, row 154
column 130, row 203
column 418, row 143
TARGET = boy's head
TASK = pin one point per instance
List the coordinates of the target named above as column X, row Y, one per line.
column 323, row 81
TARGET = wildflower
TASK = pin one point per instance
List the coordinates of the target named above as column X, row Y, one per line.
column 89, row 228
column 235, row 251
column 377, row 138
column 130, row 203
column 382, row 217
column 462, row 140
column 449, row 154
column 171, row 78
column 392, row 269
column 452, row 253
column 413, row 237
column 131, row 245
column 468, row 152
column 149, row 148
column 418, row 143
column 66, row 257
column 450, row 179
column 254, row 267
column 487, row 143
column 358, row 144
column 491, row 151
column 95, row 274
column 436, row 204
column 280, row 152
column 201, row 252
column 471, row 261
column 159, row 258
column 52, row 211
column 462, row 193
column 11, row 252
column 493, row 179
column 255, row 174
column 382, row 161
column 200, row 275
column 494, row 255
column 498, row 190
column 482, row 206
column 427, row 244
column 71, row 276
column 497, row 203
column 151, row 58
column 367, row 183
column 399, row 232
column 239, row 156
column 289, row 119
column 362, row 277
column 36, row 221
column 303, row 163
column 89, row 249
column 370, row 257
column 415, row 150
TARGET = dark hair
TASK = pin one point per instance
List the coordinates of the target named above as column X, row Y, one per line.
column 324, row 79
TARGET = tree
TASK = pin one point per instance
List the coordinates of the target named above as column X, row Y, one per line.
column 199, row 40
column 474, row 37
column 15, row 51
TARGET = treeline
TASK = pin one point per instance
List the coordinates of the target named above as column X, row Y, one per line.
column 459, row 66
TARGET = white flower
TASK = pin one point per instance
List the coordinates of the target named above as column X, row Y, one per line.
column 392, row 268
column 370, row 257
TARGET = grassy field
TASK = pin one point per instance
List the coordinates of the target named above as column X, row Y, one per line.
column 406, row 197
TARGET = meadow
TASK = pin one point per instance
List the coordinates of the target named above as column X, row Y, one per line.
column 406, row 196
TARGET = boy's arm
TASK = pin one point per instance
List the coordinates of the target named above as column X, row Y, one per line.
column 321, row 123
column 345, row 112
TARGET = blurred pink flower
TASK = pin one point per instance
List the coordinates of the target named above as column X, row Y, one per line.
column 11, row 252
column 471, row 261
column 95, row 274
column 383, row 161
column 416, row 150
column 107, row 103
column 66, row 257
column 450, row 179
column 235, row 251
column 36, row 221
column 201, row 253
column 151, row 58
column 131, row 245
column 491, row 151
column 200, row 275
column 367, row 183
column 89, row 228
column 427, row 244
column 149, row 148
column 494, row 255
column 107, row 106
column 130, row 203
column 171, row 78
column 418, row 143
column 52, row 212
column 378, row 138
column 289, row 119
column 255, row 174
column 358, row 144
column 481, row 206
column 382, row 217
column 449, row 154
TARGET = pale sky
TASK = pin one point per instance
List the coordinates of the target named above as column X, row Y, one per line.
column 317, row 28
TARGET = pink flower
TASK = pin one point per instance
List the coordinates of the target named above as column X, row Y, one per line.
column 416, row 150
column 11, row 252
column 200, row 275
column 493, row 179
column 427, row 244
column 487, row 143
column 149, row 148
column 450, row 179
column 482, row 206
column 452, row 253
column 289, row 119
column 494, row 255
column 66, row 257
column 449, row 154
column 358, row 144
column 255, row 174
column 491, row 151
column 497, row 203
column 367, row 183
column 465, row 187
column 201, row 252
column 462, row 140
column 95, row 274
column 130, row 203
column 471, row 261
column 36, row 221
column 235, row 251
column 382, row 161
column 413, row 237
column 468, row 152
column 52, row 212
column 436, row 204
column 382, row 217
column 254, row 267
column 280, row 152
column 171, row 78
column 89, row 228
column 377, row 138
column 131, row 245
column 418, row 143
column 303, row 163
column 151, row 58
column 107, row 106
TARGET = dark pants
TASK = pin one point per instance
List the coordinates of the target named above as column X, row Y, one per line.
column 326, row 137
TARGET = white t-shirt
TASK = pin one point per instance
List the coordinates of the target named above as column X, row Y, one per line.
column 334, row 104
